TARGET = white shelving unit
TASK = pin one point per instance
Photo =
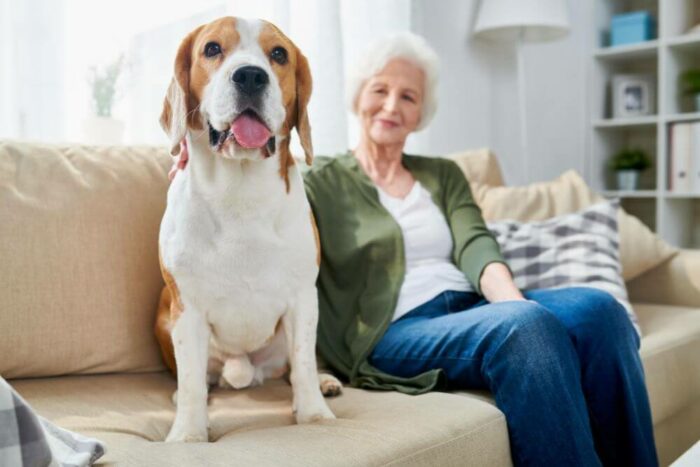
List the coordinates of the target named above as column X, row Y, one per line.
column 676, row 217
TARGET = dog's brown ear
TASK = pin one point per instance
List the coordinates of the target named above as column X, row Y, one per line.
column 176, row 107
column 303, row 79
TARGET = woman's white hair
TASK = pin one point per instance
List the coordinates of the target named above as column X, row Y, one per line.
column 404, row 45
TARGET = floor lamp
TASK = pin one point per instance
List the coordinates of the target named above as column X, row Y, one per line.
column 521, row 21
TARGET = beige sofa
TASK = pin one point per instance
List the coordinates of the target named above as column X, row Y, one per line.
column 79, row 284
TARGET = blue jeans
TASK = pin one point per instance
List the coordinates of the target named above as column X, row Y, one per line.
column 565, row 370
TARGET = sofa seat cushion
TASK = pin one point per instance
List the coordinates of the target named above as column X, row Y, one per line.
column 671, row 356
column 133, row 413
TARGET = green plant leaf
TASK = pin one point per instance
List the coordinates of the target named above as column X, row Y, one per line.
column 690, row 81
column 630, row 159
column 104, row 84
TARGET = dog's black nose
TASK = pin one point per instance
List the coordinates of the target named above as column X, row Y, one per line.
column 250, row 80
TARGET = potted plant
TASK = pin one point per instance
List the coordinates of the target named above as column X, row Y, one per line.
column 101, row 127
column 627, row 164
column 690, row 80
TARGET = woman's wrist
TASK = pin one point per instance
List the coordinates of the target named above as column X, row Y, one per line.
column 497, row 284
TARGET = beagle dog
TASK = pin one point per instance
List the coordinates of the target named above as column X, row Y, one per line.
column 239, row 249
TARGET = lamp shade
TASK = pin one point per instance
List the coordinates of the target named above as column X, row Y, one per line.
column 529, row 20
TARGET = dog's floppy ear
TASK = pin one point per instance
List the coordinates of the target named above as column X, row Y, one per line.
column 303, row 79
column 176, row 107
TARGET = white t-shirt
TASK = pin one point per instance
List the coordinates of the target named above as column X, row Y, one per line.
column 427, row 246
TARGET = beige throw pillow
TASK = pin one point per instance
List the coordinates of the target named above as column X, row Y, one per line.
column 640, row 248
column 479, row 166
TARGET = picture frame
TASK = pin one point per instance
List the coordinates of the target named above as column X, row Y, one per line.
column 633, row 95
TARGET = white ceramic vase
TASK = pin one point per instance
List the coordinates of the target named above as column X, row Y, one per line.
column 627, row 180
column 103, row 130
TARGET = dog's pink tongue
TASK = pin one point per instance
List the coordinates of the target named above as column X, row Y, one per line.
column 250, row 132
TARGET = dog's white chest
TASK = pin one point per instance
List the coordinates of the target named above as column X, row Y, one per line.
column 240, row 256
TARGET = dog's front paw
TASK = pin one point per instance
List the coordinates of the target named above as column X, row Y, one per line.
column 188, row 428
column 312, row 414
column 181, row 434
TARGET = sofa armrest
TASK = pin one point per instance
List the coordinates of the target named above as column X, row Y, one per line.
column 676, row 281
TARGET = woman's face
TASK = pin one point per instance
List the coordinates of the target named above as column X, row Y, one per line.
column 390, row 103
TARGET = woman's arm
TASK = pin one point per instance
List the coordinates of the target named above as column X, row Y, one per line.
column 497, row 284
column 477, row 252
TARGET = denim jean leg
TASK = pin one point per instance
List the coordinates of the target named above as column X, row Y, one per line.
column 517, row 350
column 535, row 377
column 612, row 375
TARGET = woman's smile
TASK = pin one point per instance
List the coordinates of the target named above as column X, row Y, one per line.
column 386, row 123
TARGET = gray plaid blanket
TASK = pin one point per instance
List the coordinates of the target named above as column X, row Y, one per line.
column 28, row 440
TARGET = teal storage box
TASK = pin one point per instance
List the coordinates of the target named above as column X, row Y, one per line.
column 629, row 28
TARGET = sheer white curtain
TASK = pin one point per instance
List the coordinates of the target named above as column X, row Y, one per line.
column 47, row 45
column 32, row 75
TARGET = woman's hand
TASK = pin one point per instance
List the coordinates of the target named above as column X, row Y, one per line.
column 497, row 284
column 180, row 161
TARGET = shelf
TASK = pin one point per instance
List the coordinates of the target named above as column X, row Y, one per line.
column 685, row 41
column 674, row 195
column 625, row 122
column 674, row 216
column 648, row 194
column 646, row 49
column 629, row 194
column 682, row 117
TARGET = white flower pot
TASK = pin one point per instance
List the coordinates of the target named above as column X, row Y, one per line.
column 627, row 180
column 103, row 130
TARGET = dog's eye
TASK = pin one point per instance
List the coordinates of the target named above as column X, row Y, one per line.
column 212, row 49
column 279, row 54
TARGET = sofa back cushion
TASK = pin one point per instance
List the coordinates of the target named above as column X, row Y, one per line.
column 640, row 249
column 480, row 167
column 79, row 276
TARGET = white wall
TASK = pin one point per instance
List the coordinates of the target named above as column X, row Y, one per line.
column 479, row 100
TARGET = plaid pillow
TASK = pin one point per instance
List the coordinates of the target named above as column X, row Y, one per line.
column 578, row 249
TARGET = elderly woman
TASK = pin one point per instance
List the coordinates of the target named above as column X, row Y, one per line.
column 414, row 294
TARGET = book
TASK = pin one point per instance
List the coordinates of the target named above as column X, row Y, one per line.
column 681, row 156
column 694, row 165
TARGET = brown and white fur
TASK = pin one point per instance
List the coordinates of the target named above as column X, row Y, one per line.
column 239, row 249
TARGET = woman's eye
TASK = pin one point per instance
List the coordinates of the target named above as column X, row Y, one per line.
column 408, row 98
column 279, row 55
column 212, row 49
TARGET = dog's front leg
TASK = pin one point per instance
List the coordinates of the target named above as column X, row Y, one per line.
column 300, row 328
column 191, row 343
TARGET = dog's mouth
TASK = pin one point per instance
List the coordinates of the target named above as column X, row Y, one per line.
column 247, row 130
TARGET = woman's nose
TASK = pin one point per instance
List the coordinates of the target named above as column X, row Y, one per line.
column 391, row 102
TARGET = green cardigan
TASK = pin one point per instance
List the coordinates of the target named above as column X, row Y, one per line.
column 363, row 261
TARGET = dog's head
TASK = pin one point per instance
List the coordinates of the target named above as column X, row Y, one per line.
column 244, row 82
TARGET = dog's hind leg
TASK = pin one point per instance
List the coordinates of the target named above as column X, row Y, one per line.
column 329, row 384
